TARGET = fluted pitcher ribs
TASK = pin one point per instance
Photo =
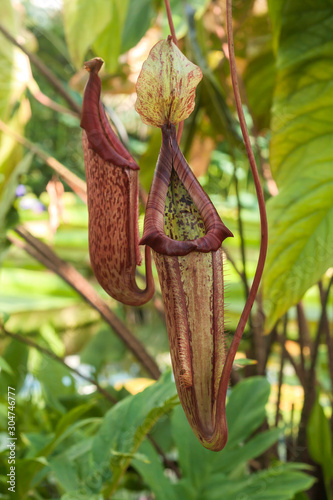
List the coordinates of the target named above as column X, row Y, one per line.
column 112, row 188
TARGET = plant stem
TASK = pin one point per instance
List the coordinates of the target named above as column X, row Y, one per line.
column 283, row 356
column 47, row 101
column 271, row 338
column 297, row 368
column 175, row 41
column 44, row 70
column 170, row 21
column 329, row 342
column 310, row 379
column 303, row 333
column 50, row 354
column 49, row 259
column 263, row 218
column 169, row 464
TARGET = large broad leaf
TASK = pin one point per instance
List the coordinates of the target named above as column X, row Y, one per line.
column 108, row 44
column 259, row 79
column 245, row 413
column 246, row 409
column 125, row 426
column 64, row 472
column 152, row 472
column 275, row 13
column 84, row 20
column 196, row 462
column 276, row 483
column 301, row 216
column 233, row 458
column 139, row 18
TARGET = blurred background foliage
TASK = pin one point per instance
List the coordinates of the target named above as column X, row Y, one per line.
column 70, row 351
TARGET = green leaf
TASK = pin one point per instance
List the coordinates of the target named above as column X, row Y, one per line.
column 8, row 194
column 4, row 366
column 319, row 438
column 84, row 20
column 275, row 11
column 196, row 462
column 104, row 347
column 14, row 109
column 83, row 447
column 16, row 356
column 179, row 15
column 210, row 93
column 14, row 64
column 108, row 44
column 4, row 317
column 77, row 495
column 245, row 413
column 71, row 417
column 246, row 409
column 52, row 339
column 149, row 158
column 139, row 18
column 259, row 79
column 213, row 100
column 300, row 217
column 65, row 473
column 153, row 473
column 26, row 470
column 301, row 496
column 275, row 483
column 56, row 380
column 232, row 459
column 32, row 290
column 126, row 424
column 66, row 433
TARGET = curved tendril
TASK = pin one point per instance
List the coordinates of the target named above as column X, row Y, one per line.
column 263, row 218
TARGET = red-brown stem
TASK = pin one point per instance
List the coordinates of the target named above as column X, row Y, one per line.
column 175, row 41
column 262, row 210
column 283, row 357
column 47, row 101
column 170, row 21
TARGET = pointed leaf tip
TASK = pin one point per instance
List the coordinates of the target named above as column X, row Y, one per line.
column 166, row 85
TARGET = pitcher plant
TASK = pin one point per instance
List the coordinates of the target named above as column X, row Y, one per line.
column 181, row 227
